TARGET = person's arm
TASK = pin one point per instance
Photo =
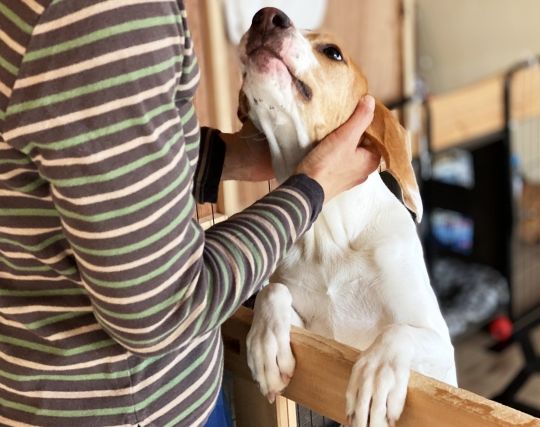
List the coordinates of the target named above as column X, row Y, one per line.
column 243, row 155
column 93, row 109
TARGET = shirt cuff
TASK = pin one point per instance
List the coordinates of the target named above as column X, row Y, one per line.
column 312, row 191
column 209, row 166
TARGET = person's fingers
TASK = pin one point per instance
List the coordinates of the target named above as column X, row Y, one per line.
column 369, row 156
column 359, row 121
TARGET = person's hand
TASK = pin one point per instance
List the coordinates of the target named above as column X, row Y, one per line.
column 338, row 163
column 247, row 156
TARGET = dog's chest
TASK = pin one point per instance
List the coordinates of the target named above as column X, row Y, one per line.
column 334, row 291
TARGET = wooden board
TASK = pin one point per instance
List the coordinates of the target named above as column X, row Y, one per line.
column 323, row 368
column 371, row 31
column 478, row 110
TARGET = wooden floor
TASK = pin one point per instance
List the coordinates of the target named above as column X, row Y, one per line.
column 487, row 373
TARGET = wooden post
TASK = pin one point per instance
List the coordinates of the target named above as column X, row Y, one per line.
column 322, row 372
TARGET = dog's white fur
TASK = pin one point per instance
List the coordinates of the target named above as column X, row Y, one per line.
column 357, row 276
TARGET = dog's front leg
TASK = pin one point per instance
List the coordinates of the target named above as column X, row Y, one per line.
column 269, row 354
column 378, row 385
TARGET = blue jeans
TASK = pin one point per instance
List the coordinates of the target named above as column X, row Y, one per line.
column 221, row 415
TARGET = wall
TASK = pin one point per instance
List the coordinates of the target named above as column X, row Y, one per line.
column 462, row 41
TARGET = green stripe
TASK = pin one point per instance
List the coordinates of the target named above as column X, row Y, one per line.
column 129, row 209
column 28, row 188
column 82, row 377
column 147, row 277
column 56, row 350
column 14, row 18
column 14, row 161
column 101, row 132
column 123, row 170
column 197, row 404
column 29, row 212
column 94, row 87
column 8, row 66
column 78, row 413
column 67, row 272
column 43, row 293
column 35, row 248
column 122, row 250
column 54, row 319
column 95, row 36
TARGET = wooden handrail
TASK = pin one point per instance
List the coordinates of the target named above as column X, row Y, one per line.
column 322, row 371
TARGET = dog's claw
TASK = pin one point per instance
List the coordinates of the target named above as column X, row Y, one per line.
column 350, row 419
column 271, row 397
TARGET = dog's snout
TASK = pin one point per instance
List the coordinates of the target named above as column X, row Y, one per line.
column 269, row 18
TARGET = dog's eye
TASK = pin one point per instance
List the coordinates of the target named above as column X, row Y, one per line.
column 333, row 53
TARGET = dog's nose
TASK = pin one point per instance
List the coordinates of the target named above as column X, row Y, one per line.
column 270, row 17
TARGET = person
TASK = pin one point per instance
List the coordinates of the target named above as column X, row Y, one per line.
column 111, row 295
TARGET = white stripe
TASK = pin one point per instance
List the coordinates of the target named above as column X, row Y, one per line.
column 155, row 290
column 45, row 309
column 137, row 99
column 139, row 262
column 74, row 332
column 12, row 44
column 13, row 423
column 286, row 214
column 5, row 275
column 108, row 58
column 4, row 90
column 126, row 191
column 186, row 393
column 44, row 394
column 111, row 152
column 15, row 172
column 61, row 368
column 24, row 255
column 34, row 6
column 192, row 83
column 186, row 323
column 28, row 231
column 10, row 193
column 225, row 252
column 88, row 12
column 5, row 146
column 126, row 230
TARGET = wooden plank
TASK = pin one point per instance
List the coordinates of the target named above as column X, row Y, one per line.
column 478, row 110
column 322, row 371
column 468, row 113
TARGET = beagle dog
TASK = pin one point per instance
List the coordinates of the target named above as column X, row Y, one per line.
column 358, row 275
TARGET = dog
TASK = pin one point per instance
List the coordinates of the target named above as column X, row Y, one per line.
column 358, row 275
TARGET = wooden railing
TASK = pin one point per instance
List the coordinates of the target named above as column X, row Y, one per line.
column 322, row 371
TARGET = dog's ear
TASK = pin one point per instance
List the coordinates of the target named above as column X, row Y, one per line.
column 393, row 143
column 243, row 107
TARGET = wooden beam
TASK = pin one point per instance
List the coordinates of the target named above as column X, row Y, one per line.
column 478, row 109
column 322, row 371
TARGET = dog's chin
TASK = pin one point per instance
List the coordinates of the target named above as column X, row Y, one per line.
column 272, row 66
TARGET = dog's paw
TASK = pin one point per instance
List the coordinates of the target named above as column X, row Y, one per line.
column 269, row 354
column 378, row 386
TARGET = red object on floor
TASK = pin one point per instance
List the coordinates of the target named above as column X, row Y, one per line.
column 501, row 328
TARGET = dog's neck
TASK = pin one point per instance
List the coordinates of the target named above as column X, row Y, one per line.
column 345, row 216
column 287, row 138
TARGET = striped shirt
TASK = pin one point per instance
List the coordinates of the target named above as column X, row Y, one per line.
column 111, row 296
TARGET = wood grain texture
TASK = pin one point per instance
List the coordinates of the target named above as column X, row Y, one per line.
column 322, row 371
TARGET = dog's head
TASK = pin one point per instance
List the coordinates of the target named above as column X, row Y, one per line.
column 305, row 82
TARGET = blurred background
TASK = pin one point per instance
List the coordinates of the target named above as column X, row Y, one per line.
column 463, row 77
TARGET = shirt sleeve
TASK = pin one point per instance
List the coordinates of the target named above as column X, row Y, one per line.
column 209, row 167
column 95, row 109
